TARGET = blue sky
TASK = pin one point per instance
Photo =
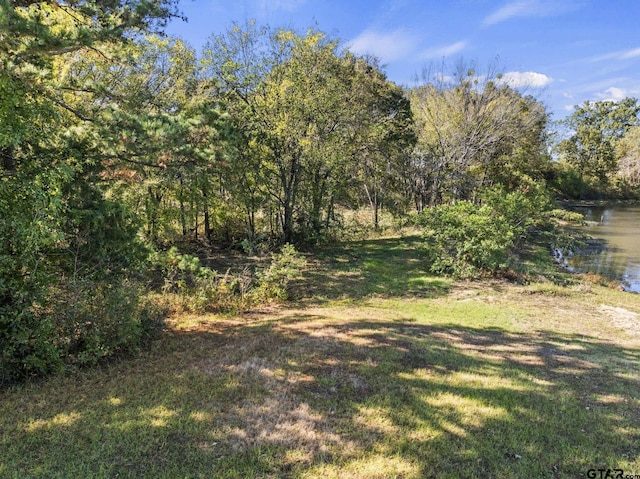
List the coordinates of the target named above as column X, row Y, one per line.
column 564, row 51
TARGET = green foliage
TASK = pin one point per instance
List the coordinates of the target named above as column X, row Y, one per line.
column 198, row 288
column 525, row 211
column 65, row 251
column 65, row 247
column 628, row 156
column 474, row 131
column 569, row 183
column 311, row 119
column 467, row 240
column 28, row 345
column 274, row 281
column 95, row 321
column 179, row 271
column 81, row 323
column 34, row 31
column 571, row 217
column 256, row 244
column 597, row 127
column 31, row 228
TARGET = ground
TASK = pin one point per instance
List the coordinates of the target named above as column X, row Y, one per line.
column 375, row 370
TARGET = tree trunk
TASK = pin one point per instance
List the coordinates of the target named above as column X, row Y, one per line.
column 330, row 213
column 373, row 202
column 376, row 220
column 153, row 204
column 290, row 181
column 183, row 217
column 207, row 223
column 287, row 223
column 319, row 191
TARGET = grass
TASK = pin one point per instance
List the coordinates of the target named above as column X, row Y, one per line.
column 383, row 267
column 379, row 370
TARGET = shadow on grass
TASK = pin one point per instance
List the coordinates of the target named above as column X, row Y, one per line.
column 313, row 396
column 381, row 267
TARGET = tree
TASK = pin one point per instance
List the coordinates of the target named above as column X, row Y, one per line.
column 596, row 128
column 383, row 136
column 159, row 133
column 628, row 156
column 306, row 113
column 48, row 198
column 34, row 33
column 35, row 30
column 469, row 128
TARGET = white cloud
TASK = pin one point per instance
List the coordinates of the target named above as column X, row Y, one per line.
column 530, row 8
column 631, row 54
column 443, row 51
column 603, row 91
column 525, row 79
column 510, row 10
column 616, row 94
column 387, row 46
column 618, row 55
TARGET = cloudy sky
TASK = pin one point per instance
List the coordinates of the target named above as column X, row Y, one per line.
column 564, row 51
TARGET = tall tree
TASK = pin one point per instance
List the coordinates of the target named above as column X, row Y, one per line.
column 160, row 133
column 45, row 194
column 301, row 106
column 468, row 125
column 596, row 128
column 628, row 156
column 383, row 138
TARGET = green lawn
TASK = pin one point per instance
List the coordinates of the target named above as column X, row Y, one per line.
column 378, row 370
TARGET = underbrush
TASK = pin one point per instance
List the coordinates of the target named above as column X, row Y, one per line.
column 197, row 288
column 84, row 321
column 469, row 240
column 80, row 323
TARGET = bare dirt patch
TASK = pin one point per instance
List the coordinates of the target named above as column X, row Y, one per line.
column 622, row 318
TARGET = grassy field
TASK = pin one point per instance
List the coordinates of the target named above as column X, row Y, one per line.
column 377, row 370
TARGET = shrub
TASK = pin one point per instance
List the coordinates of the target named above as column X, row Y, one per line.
column 81, row 323
column 467, row 240
column 255, row 244
column 273, row 282
column 94, row 321
column 27, row 343
column 201, row 289
column 198, row 288
column 524, row 210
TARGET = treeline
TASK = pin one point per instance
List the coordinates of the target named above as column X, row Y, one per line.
column 116, row 143
column 600, row 158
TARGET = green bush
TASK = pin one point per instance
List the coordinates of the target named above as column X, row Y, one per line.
column 27, row 346
column 81, row 323
column 467, row 240
column 274, row 281
column 97, row 320
column 201, row 289
column 198, row 288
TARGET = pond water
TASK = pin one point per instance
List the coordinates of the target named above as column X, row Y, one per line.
column 615, row 251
